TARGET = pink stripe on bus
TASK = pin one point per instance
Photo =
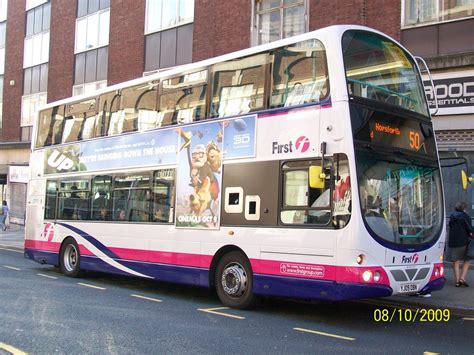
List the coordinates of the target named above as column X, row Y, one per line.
column 268, row 267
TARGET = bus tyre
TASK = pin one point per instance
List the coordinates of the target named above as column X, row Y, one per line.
column 70, row 258
column 234, row 281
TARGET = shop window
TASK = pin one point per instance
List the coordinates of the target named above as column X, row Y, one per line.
column 277, row 19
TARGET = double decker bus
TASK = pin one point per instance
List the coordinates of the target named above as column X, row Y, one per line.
column 304, row 168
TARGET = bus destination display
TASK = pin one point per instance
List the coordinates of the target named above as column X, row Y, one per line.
column 398, row 136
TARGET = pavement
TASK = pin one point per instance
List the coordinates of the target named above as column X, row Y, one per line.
column 460, row 300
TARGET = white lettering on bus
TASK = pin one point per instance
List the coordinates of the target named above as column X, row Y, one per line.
column 197, row 219
column 60, row 161
column 165, row 149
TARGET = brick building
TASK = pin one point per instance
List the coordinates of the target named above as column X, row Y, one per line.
column 52, row 49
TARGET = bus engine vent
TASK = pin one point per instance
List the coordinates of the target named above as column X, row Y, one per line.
column 399, row 275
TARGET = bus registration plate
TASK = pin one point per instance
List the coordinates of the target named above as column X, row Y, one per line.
column 408, row 288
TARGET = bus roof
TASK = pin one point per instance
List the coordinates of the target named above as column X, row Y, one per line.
column 331, row 31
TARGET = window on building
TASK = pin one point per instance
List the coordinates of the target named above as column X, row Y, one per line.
column 3, row 10
column 162, row 14
column 89, row 87
column 35, row 85
column 277, row 19
column 92, row 31
column 419, row 12
column 34, row 3
column 38, row 19
column 3, row 28
column 29, row 106
column 35, row 79
column 87, row 7
column 90, row 71
column 169, row 33
column 1, row 101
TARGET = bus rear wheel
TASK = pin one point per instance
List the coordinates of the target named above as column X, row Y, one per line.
column 70, row 258
column 234, row 281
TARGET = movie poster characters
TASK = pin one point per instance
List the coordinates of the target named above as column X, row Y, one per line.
column 199, row 175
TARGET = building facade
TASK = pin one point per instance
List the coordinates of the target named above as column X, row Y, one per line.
column 53, row 49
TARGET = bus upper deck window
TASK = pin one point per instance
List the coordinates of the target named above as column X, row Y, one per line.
column 299, row 74
column 183, row 99
column 50, row 127
column 238, row 86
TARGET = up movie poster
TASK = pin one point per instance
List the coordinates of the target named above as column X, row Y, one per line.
column 200, row 152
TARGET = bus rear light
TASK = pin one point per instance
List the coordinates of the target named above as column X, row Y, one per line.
column 367, row 275
column 360, row 259
column 376, row 276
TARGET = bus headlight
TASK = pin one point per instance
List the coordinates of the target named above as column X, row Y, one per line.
column 367, row 275
column 437, row 272
column 376, row 276
column 441, row 271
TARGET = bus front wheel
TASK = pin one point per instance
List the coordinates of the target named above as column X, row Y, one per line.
column 234, row 281
column 70, row 258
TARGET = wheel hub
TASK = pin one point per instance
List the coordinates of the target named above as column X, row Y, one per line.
column 70, row 258
column 234, row 280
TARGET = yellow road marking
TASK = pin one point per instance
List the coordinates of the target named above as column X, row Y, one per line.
column 11, row 349
column 322, row 333
column 12, row 268
column 213, row 311
column 430, row 353
column 13, row 250
column 467, row 318
column 147, row 298
column 91, row 286
column 49, row 277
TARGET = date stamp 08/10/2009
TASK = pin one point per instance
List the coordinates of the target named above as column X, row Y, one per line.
column 385, row 315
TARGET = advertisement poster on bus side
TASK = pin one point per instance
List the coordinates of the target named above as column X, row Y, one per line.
column 239, row 137
column 198, row 185
column 145, row 149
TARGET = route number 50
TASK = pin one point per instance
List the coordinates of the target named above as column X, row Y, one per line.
column 414, row 140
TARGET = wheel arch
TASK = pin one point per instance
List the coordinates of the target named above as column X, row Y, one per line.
column 215, row 260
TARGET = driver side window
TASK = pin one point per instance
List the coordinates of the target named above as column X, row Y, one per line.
column 302, row 204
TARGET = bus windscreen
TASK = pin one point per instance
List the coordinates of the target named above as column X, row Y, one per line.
column 378, row 69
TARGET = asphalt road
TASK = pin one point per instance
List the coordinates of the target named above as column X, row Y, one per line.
column 44, row 312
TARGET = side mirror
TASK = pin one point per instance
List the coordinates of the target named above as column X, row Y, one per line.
column 465, row 179
column 316, row 177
